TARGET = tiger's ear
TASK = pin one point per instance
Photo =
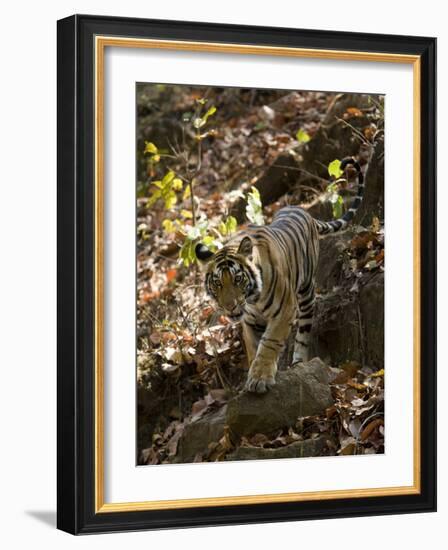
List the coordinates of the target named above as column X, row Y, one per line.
column 246, row 247
column 203, row 252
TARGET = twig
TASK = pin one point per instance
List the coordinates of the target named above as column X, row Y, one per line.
column 193, row 209
column 377, row 104
column 173, row 149
column 357, row 133
column 311, row 189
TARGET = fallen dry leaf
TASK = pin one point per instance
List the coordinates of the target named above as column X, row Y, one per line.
column 370, row 427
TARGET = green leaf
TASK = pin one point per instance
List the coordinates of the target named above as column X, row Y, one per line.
column 231, row 225
column 209, row 241
column 333, row 188
column 255, row 193
column 338, row 207
column 186, row 214
column 150, row 148
column 187, row 193
column 186, row 253
column 227, row 227
column 199, row 122
column 170, row 199
column 177, row 184
column 302, row 136
column 334, row 169
column 254, row 208
column 209, row 113
column 168, row 178
column 168, row 226
column 222, row 228
column 156, row 194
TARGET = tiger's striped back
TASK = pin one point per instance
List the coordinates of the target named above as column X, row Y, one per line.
column 290, row 246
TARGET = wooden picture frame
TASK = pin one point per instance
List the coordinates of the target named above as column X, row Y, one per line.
column 82, row 40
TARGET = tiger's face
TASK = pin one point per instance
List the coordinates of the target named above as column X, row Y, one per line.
column 231, row 279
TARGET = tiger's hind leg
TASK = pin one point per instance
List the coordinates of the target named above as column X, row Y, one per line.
column 305, row 323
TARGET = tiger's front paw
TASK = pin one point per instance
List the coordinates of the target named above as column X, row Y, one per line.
column 260, row 378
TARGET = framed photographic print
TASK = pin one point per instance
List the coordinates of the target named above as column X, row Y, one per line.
column 246, row 274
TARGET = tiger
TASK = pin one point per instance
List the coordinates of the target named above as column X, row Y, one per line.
column 264, row 276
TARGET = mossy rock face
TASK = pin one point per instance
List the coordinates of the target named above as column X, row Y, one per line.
column 371, row 305
column 336, row 334
column 349, row 324
column 200, row 433
column 332, row 257
column 300, row 391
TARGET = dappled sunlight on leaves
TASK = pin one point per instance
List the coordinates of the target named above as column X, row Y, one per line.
column 200, row 152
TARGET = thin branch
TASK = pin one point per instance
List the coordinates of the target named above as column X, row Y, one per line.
column 357, row 133
column 173, row 149
column 193, row 209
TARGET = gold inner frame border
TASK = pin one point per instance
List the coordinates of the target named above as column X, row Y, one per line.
column 101, row 42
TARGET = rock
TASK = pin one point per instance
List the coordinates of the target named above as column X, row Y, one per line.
column 349, row 325
column 144, row 435
column 158, row 400
column 148, row 410
column 332, row 253
column 298, row 449
column 337, row 335
column 321, row 209
column 373, row 200
column 300, row 391
column 198, row 434
column 349, row 315
column 371, row 303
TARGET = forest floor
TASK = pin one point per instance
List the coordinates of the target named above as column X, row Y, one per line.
column 191, row 364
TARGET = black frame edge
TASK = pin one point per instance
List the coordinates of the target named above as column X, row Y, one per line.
column 428, row 296
column 76, row 513
column 67, row 493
